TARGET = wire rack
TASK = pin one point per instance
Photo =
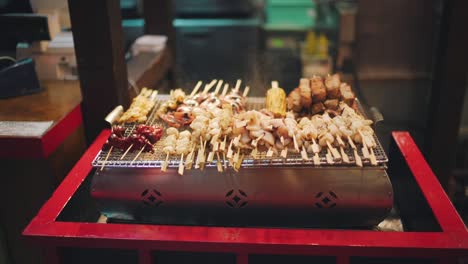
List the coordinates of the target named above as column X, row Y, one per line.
column 156, row 159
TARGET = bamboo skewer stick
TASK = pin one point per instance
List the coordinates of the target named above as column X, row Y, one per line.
column 181, row 165
column 329, row 157
column 229, row 152
column 218, row 86
column 296, row 146
column 210, row 156
column 373, row 159
column 166, row 162
column 333, row 150
column 284, row 152
column 357, row 159
column 189, row 160
column 197, row 87
column 209, row 86
column 225, row 89
column 137, row 155
column 316, row 150
column 365, row 151
column 107, row 157
column 238, row 84
column 254, row 153
column 304, row 154
column 344, row 156
column 236, row 140
column 269, row 152
column 255, row 141
column 126, row 151
column 246, row 91
column 218, row 163
column 222, row 146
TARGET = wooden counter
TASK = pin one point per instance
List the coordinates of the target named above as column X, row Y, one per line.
column 59, row 104
column 33, row 166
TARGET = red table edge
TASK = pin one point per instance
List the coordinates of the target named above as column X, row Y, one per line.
column 42, row 147
column 45, row 229
column 442, row 207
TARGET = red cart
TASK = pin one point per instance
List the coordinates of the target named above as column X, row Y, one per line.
column 434, row 232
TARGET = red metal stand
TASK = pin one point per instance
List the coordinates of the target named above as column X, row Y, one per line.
column 147, row 240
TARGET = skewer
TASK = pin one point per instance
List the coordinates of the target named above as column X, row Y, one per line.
column 236, row 140
column 282, row 140
column 304, row 154
column 333, row 150
column 315, row 146
column 236, row 157
column 254, row 153
column 246, row 91
column 224, row 160
column 357, row 159
column 189, row 160
column 229, row 152
column 181, row 165
column 210, row 156
column 126, row 151
column 365, row 151
column 166, row 162
column 218, row 86
column 329, row 157
column 197, row 87
column 284, row 152
column 316, row 159
column 296, row 146
column 215, row 146
column 269, row 152
column 218, row 163
column 368, row 142
column 344, row 156
column 137, row 155
column 222, row 146
column 255, row 141
column 107, row 157
column 203, row 157
column 373, row 159
column 209, row 86
column 238, row 84
column 238, row 163
column 225, row 89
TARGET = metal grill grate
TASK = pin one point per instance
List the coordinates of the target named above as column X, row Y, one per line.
column 156, row 159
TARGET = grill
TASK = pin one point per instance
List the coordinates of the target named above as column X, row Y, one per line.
column 155, row 160
column 266, row 191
